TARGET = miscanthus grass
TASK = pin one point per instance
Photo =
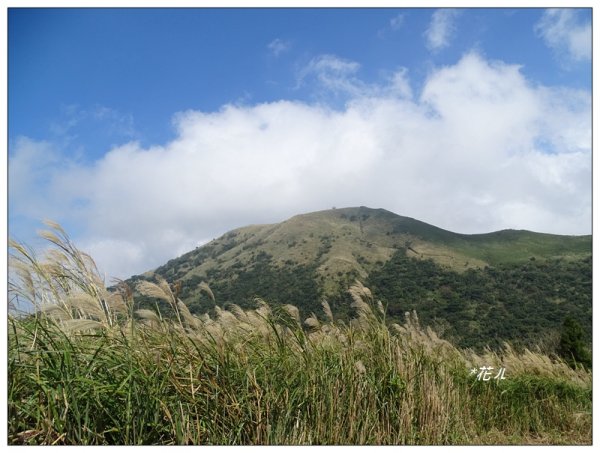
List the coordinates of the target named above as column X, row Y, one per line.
column 87, row 368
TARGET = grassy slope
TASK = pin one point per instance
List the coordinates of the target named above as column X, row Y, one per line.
column 258, row 378
column 87, row 369
column 358, row 239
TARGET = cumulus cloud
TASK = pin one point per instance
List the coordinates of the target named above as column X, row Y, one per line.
column 278, row 46
column 441, row 29
column 563, row 32
column 478, row 149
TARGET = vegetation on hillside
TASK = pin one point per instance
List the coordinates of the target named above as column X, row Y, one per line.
column 525, row 304
column 88, row 368
column 478, row 290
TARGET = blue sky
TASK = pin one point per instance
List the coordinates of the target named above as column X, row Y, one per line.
column 147, row 132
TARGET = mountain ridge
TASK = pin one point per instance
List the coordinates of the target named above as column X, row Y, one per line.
column 423, row 240
column 516, row 284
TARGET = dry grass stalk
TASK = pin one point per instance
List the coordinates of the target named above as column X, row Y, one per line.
column 149, row 315
column 527, row 362
column 153, row 290
column 292, row 311
column 327, row 310
column 191, row 321
column 79, row 325
column 409, row 361
column 204, row 287
column 312, row 322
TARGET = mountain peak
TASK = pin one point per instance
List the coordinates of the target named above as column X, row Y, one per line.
column 355, row 239
column 320, row 254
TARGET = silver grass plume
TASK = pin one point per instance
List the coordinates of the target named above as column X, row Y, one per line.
column 327, row 310
column 204, row 287
column 360, row 294
column 148, row 315
column 312, row 322
column 292, row 311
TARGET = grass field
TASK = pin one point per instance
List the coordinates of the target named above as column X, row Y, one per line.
column 87, row 368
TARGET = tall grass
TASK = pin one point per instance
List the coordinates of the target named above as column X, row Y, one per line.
column 85, row 368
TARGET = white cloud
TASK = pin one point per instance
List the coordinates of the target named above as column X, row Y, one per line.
column 396, row 22
column 34, row 164
column 399, row 84
column 112, row 122
column 336, row 75
column 478, row 149
column 116, row 123
column 279, row 46
column 333, row 73
column 393, row 25
column 563, row 32
column 441, row 29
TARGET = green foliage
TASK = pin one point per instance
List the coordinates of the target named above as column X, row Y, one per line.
column 341, row 384
column 519, row 303
column 572, row 346
column 523, row 303
column 103, row 372
column 286, row 284
column 531, row 281
column 523, row 404
column 86, row 369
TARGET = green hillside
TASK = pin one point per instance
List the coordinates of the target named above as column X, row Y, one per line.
column 480, row 289
column 89, row 367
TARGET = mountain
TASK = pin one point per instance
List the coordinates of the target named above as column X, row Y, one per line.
column 470, row 286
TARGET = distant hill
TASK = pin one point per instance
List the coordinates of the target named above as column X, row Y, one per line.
column 479, row 289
